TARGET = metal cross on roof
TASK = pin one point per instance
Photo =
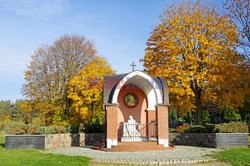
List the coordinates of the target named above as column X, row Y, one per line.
column 133, row 66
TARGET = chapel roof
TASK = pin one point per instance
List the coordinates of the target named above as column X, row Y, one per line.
column 111, row 82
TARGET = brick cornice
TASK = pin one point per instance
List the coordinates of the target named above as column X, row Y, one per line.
column 111, row 104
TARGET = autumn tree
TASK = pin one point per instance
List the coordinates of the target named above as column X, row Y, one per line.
column 85, row 91
column 239, row 10
column 50, row 70
column 193, row 48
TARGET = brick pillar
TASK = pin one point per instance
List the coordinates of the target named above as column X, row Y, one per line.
column 162, row 124
column 151, row 118
column 111, row 125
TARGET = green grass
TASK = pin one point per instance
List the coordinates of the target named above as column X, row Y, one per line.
column 1, row 141
column 37, row 158
column 239, row 156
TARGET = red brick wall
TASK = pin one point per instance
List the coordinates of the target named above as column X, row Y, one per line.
column 162, row 121
column 111, row 121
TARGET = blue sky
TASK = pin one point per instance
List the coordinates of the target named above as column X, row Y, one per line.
column 119, row 29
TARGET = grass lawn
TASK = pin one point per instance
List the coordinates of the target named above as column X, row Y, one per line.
column 248, row 140
column 235, row 156
column 36, row 158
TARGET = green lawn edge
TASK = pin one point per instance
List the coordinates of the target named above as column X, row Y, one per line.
column 32, row 157
column 237, row 156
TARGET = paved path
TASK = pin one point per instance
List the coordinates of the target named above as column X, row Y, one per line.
column 197, row 164
column 213, row 164
column 180, row 155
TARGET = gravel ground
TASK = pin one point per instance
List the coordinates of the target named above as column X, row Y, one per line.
column 180, row 155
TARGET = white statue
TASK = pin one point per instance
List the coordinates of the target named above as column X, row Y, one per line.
column 130, row 133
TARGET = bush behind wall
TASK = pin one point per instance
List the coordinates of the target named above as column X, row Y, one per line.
column 232, row 127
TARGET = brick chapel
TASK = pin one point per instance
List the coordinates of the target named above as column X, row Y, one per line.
column 136, row 110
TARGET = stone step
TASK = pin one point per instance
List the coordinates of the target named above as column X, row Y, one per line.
column 133, row 149
column 136, row 146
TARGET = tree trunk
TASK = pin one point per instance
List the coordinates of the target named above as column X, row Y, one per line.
column 198, row 117
column 198, row 113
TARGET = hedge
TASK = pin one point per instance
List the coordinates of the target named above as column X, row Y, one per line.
column 18, row 128
column 232, row 127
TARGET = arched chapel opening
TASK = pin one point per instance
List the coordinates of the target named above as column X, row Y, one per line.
column 136, row 106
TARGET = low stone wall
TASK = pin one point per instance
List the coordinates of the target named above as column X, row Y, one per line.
column 193, row 139
column 94, row 138
column 52, row 141
column 210, row 140
column 25, row 141
column 231, row 139
column 78, row 139
column 87, row 139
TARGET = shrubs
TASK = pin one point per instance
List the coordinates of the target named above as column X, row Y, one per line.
column 89, row 127
column 229, row 114
column 13, row 127
column 183, row 128
column 172, row 130
column 197, row 129
column 93, row 128
column 208, row 128
column 32, row 129
column 232, row 127
column 52, row 130
column 186, row 128
column 18, row 128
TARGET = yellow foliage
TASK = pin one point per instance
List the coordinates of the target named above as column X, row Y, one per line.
column 85, row 91
column 48, row 111
column 26, row 106
column 193, row 48
column 48, row 75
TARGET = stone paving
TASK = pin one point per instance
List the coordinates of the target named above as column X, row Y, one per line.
column 195, row 164
column 180, row 155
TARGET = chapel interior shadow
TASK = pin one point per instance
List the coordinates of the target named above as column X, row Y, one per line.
column 120, row 131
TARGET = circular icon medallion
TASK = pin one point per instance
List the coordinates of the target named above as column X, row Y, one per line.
column 130, row 100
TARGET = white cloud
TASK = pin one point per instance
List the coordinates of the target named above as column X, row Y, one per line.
column 42, row 9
